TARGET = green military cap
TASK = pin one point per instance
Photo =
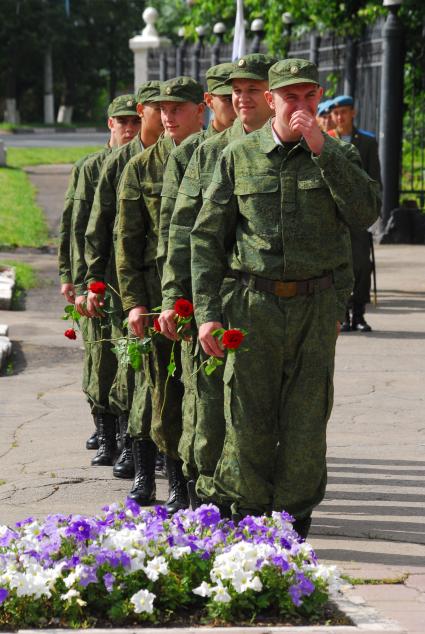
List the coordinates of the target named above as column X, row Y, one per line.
column 253, row 66
column 181, row 89
column 148, row 91
column 123, row 106
column 293, row 71
column 216, row 77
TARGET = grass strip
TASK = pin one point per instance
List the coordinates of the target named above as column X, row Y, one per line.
column 23, row 157
column 25, row 278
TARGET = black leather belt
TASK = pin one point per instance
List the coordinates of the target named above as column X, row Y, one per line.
column 283, row 289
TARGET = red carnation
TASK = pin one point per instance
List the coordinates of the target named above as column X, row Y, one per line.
column 70, row 333
column 232, row 339
column 183, row 308
column 97, row 287
column 156, row 325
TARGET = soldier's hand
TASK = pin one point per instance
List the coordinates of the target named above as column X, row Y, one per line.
column 168, row 324
column 137, row 322
column 209, row 343
column 94, row 305
column 305, row 123
column 68, row 291
column 81, row 305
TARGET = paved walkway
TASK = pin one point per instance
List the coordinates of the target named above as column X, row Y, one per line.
column 372, row 521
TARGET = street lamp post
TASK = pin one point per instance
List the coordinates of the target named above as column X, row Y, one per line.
column 257, row 29
column 219, row 30
column 288, row 22
column 391, row 108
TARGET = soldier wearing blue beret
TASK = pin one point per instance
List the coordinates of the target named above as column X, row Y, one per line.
column 323, row 115
column 343, row 114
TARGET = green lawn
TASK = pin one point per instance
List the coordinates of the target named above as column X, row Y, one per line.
column 22, row 222
column 26, row 278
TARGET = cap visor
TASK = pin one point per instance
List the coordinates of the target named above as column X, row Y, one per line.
column 290, row 82
column 221, row 90
column 172, row 98
column 124, row 113
column 245, row 75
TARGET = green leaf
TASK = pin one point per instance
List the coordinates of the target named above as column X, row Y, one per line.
column 218, row 333
column 171, row 368
column 212, row 364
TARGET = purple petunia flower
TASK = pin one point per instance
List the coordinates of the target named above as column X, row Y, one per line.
column 3, row 595
column 208, row 515
column 79, row 529
column 108, row 580
column 28, row 520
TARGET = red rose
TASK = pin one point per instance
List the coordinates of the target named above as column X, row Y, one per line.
column 70, row 333
column 232, row 339
column 156, row 325
column 97, row 287
column 183, row 308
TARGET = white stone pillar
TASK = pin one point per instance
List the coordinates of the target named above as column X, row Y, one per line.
column 3, row 154
column 11, row 114
column 140, row 45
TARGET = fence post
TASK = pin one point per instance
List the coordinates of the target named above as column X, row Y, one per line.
column 196, row 53
column 257, row 29
column 140, row 45
column 288, row 22
column 181, row 53
column 350, row 66
column 218, row 30
column 391, row 110
column 314, row 48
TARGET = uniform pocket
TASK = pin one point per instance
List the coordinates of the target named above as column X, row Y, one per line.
column 259, row 204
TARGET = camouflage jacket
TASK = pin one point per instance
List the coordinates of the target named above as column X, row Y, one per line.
column 174, row 172
column 176, row 278
column 64, row 258
column 137, row 225
column 280, row 214
column 99, row 233
column 83, row 200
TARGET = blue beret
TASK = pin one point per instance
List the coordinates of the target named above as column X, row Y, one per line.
column 343, row 100
column 325, row 107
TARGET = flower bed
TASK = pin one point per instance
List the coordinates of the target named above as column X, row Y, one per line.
column 131, row 566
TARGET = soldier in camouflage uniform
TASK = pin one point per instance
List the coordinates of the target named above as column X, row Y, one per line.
column 276, row 218
column 100, row 260
column 202, row 439
column 219, row 99
column 99, row 361
column 182, row 112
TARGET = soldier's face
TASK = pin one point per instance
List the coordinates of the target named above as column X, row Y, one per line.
column 343, row 119
column 180, row 119
column 222, row 107
column 125, row 128
column 289, row 99
column 325, row 122
column 250, row 103
column 151, row 118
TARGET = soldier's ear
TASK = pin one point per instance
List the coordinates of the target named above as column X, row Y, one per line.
column 269, row 98
column 139, row 108
column 110, row 123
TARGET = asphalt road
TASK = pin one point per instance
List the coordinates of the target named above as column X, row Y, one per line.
column 53, row 139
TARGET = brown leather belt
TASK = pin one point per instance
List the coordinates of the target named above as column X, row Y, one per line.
column 283, row 289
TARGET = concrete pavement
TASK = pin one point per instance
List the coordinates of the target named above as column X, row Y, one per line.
column 371, row 521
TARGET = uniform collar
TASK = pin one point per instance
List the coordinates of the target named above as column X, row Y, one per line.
column 269, row 140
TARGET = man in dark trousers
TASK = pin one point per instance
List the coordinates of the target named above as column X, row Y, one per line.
column 343, row 114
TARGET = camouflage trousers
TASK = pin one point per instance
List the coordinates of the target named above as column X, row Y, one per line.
column 122, row 388
column 100, row 364
column 362, row 265
column 278, row 398
column 166, row 393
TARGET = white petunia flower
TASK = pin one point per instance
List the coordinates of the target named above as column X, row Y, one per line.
column 220, row 594
column 204, row 590
column 155, row 567
column 71, row 594
column 143, row 601
column 178, row 552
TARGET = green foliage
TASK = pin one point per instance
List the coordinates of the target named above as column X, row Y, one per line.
column 26, row 277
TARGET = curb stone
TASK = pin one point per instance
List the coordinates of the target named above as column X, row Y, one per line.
column 5, row 345
column 7, row 284
column 366, row 620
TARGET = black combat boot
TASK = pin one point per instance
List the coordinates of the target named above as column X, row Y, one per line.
column 195, row 502
column 178, row 498
column 346, row 326
column 144, row 490
column 358, row 322
column 107, row 445
column 160, row 466
column 302, row 526
column 92, row 442
column 124, row 466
